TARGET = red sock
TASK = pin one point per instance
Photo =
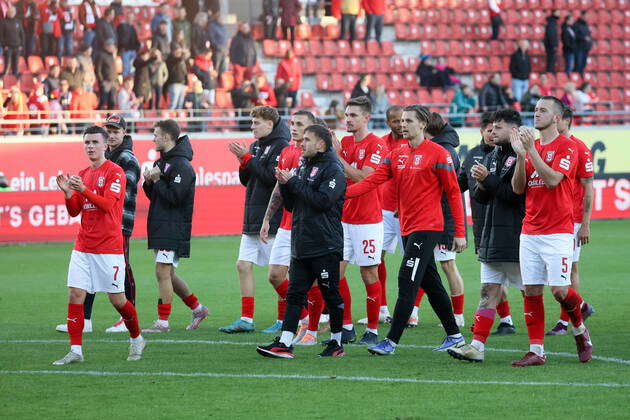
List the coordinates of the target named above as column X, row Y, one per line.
column 315, row 307
column 534, row 311
column 247, row 307
column 564, row 315
column 484, row 318
column 130, row 316
column 382, row 279
column 191, row 301
column 419, row 296
column 344, row 290
column 572, row 303
column 503, row 309
column 458, row 304
column 372, row 304
column 304, row 312
column 281, row 289
column 164, row 311
column 75, row 323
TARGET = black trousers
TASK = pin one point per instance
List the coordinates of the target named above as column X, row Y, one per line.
column 376, row 22
column 12, row 56
column 418, row 270
column 348, row 24
column 302, row 274
column 285, row 33
column 551, row 58
column 496, row 23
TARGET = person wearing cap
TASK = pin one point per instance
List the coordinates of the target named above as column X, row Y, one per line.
column 106, row 75
column 120, row 151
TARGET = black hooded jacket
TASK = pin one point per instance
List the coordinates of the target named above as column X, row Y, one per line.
column 504, row 209
column 123, row 156
column 315, row 197
column 172, row 198
column 258, row 176
column 583, row 39
column 551, row 32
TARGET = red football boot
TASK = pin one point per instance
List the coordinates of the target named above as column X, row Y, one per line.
column 530, row 359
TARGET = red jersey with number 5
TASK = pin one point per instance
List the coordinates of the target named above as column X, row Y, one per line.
column 584, row 170
column 289, row 159
column 550, row 210
column 100, row 231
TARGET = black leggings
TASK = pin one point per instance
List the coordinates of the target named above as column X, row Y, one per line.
column 418, row 270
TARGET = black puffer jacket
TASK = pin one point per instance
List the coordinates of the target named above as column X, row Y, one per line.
column 315, row 196
column 551, row 32
column 476, row 155
column 504, row 209
column 491, row 97
column 520, row 65
column 123, row 156
column 258, row 175
column 583, row 39
column 172, row 198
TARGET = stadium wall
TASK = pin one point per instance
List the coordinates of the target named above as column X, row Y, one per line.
column 34, row 210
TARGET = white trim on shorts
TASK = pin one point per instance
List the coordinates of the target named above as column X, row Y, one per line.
column 546, row 259
column 576, row 243
column 253, row 250
column 97, row 272
column 281, row 249
column 441, row 252
column 166, row 256
column 363, row 244
column 505, row 273
column 392, row 238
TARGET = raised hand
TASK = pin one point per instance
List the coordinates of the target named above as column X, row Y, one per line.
column 238, row 149
column 63, row 182
column 517, row 145
column 76, row 183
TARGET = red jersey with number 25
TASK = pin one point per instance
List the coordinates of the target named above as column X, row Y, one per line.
column 289, row 160
column 584, row 170
column 100, row 231
column 370, row 152
column 388, row 189
column 550, row 210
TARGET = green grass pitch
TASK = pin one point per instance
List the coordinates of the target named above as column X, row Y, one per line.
column 205, row 373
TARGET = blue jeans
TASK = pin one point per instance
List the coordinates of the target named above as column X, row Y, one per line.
column 581, row 55
column 127, row 56
column 176, row 95
column 519, row 87
column 65, row 48
column 89, row 36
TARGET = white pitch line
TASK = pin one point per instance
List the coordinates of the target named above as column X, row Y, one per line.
column 250, row 343
column 302, row 377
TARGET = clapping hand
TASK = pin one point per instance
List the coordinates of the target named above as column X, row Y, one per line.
column 517, row 145
column 238, row 149
column 479, row 172
column 76, row 183
column 64, row 183
column 283, row 176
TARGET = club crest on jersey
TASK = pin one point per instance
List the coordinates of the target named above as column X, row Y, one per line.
column 361, row 154
column 101, row 181
column 550, row 154
column 417, row 159
column 510, row 161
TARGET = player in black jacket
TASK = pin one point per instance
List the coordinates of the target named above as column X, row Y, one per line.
column 315, row 197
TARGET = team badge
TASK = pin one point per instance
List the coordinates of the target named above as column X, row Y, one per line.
column 314, row 171
column 510, row 161
column 101, row 181
column 417, row 159
column 361, row 154
column 550, row 154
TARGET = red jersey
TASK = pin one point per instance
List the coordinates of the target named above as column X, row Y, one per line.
column 584, row 170
column 550, row 210
column 368, row 152
column 290, row 158
column 388, row 189
column 420, row 175
column 101, row 222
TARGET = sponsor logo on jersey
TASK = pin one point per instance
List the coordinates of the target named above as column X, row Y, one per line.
column 115, row 187
column 177, row 179
column 332, row 184
column 101, row 181
column 375, row 158
column 510, row 161
column 324, row 274
column 535, row 180
column 449, row 159
column 550, row 154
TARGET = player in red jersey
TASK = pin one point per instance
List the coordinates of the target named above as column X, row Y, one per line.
column 421, row 172
column 583, row 206
column 362, row 218
column 544, row 171
column 97, row 263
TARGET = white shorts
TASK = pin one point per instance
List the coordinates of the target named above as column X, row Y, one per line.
column 442, row 253
column 546, row 259
column 507, row 274
column 254, row 250
column 97, row 272
column 166, row 256
column 363, row 244
column 576, row 243
column 391, row 233
column 281, row 250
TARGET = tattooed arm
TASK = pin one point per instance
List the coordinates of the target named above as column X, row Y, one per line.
column 275, row 204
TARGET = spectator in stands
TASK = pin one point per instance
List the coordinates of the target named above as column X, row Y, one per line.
column 495, row 17
column 545, row 86
column 520, row 69
column 464, row 102
column 428, row 74
column 290, row 11
column 128, row 44
column 179, row 40
column 197, row 99
column 15, row 106
column 362, row 88
column 38, row 107
column 568, row 44
column 160, row 40
column 349, row 11
column 67, row 24
column 50, row 29
column 584, row 97
column 51, row 82
column 119, row 11
column 243, row 54
column 203, row 68
column 244, row 96
column 491, row 96
column 200, row 43
column 176, row 82
column 568, row 96
column 87, row 67
column 159, row 75
column 142, row 75
column 509, row 98
column 55, row 112
column 334, row 114
column 218, row 41
column 195, row 6
column 163, row 15
column 447, row 74
column 269, row 18
column 381, row 105
column 311, row 10
column 65, row 100
column 528, row 104
column 105, row 30
column 12, row 41
column 4, row 183
column 552, row 41
column 266, row 94
column 89, row 14
column 82, row 105
column 28, row 14
column 374, row 15
column 583, row 41
column 106, row 74
column 282, row 96
column 182, row 24
column 290, row 70
column 128, row 101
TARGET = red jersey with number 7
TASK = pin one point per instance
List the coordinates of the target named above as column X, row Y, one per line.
column 290, row 158
column 584, row 170
column 550, row 210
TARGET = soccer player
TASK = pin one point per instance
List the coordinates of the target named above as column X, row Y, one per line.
column 257, row 174
column 360, row 154
column 280, row 256
column 315, row 198
column 582, row 208
column 170, row 186
column 498, row 245
column 422, row 171
column 544, row 172
column 97, row 263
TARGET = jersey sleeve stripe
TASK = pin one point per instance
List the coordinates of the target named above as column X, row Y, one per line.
column 444, row 166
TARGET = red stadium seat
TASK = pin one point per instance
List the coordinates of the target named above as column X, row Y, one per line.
column 385, row 64
column 330, row 47
column 310, row 65
column 227, row 80
column 397, row 81
column 424, row 97
column 356, row 65
column 343, row 47
column 373, row 48
column 394, row 97
column 412, row 63
column 322, row 81
column 387, row 48
column 341, row 65
column 332, row 31
column 303, row 31
column 50, row 61
column 371, row 64
column 408, row 97
column 479, row 80
column 325, row 65
column 403, row 32
column 481, row 64
column 299, row 48
column 315, row 48
column 416, row 32
column 223, row 98
column 317, row 32
column 35, row 64
column 337, row 82
column 467, row 65
column 270, row 48
column 306, row 99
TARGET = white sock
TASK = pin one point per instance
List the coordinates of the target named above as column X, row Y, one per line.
column 384, row 310
column 507, row 320
column 458, row 335
column 313, row 333
column 414, row 312
column 135, row 340
column 537, row 348
column 372, row 330
column 304, row 320
column 478, row 345
column 348, row 327
column 76, row 349
column 87, row 323
column 336, row 337
column 565, row 323
column 579, row 330
column 246, row 319
column 391, row 342
column 197, row 308
column 287, row 338
column 162, row 322
column 279, row 320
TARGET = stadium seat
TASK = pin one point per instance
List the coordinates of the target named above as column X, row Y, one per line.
column 403, row 32
column 227, row 80
column 481, row 64
column 412, row 63
column 394, row 97
column 385, row 64
column 306, row 99
column 424, row 97
column 310, row 65
column 387, row 48
column 324, row 65
column 223, row 99
column 317, row 32
column 322, row 82
column 371, row 65
column 397, row 81
column 315, row 48
column 35, row 64
column 332, row 31
column 337, row 82
column 356, row 65
column 299, row 47
column 373, row 48
column 343, row 48
column 341, row 65
column 270, row 48
column 329, row 47
column 357, row 48
column 50, row 61
column 303, row 31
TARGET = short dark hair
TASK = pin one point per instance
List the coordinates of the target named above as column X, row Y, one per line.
column 170, row 127
column 320, row 121
column 394, row 108
column 265, row 112
column 567, row 114
column 308, row 114
column 436, row 124
column 321, row 132
column 422, row 112
column 509, row 116
column 558, row 105
column 487, row 118
column 96, row 129
column 362, row 102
